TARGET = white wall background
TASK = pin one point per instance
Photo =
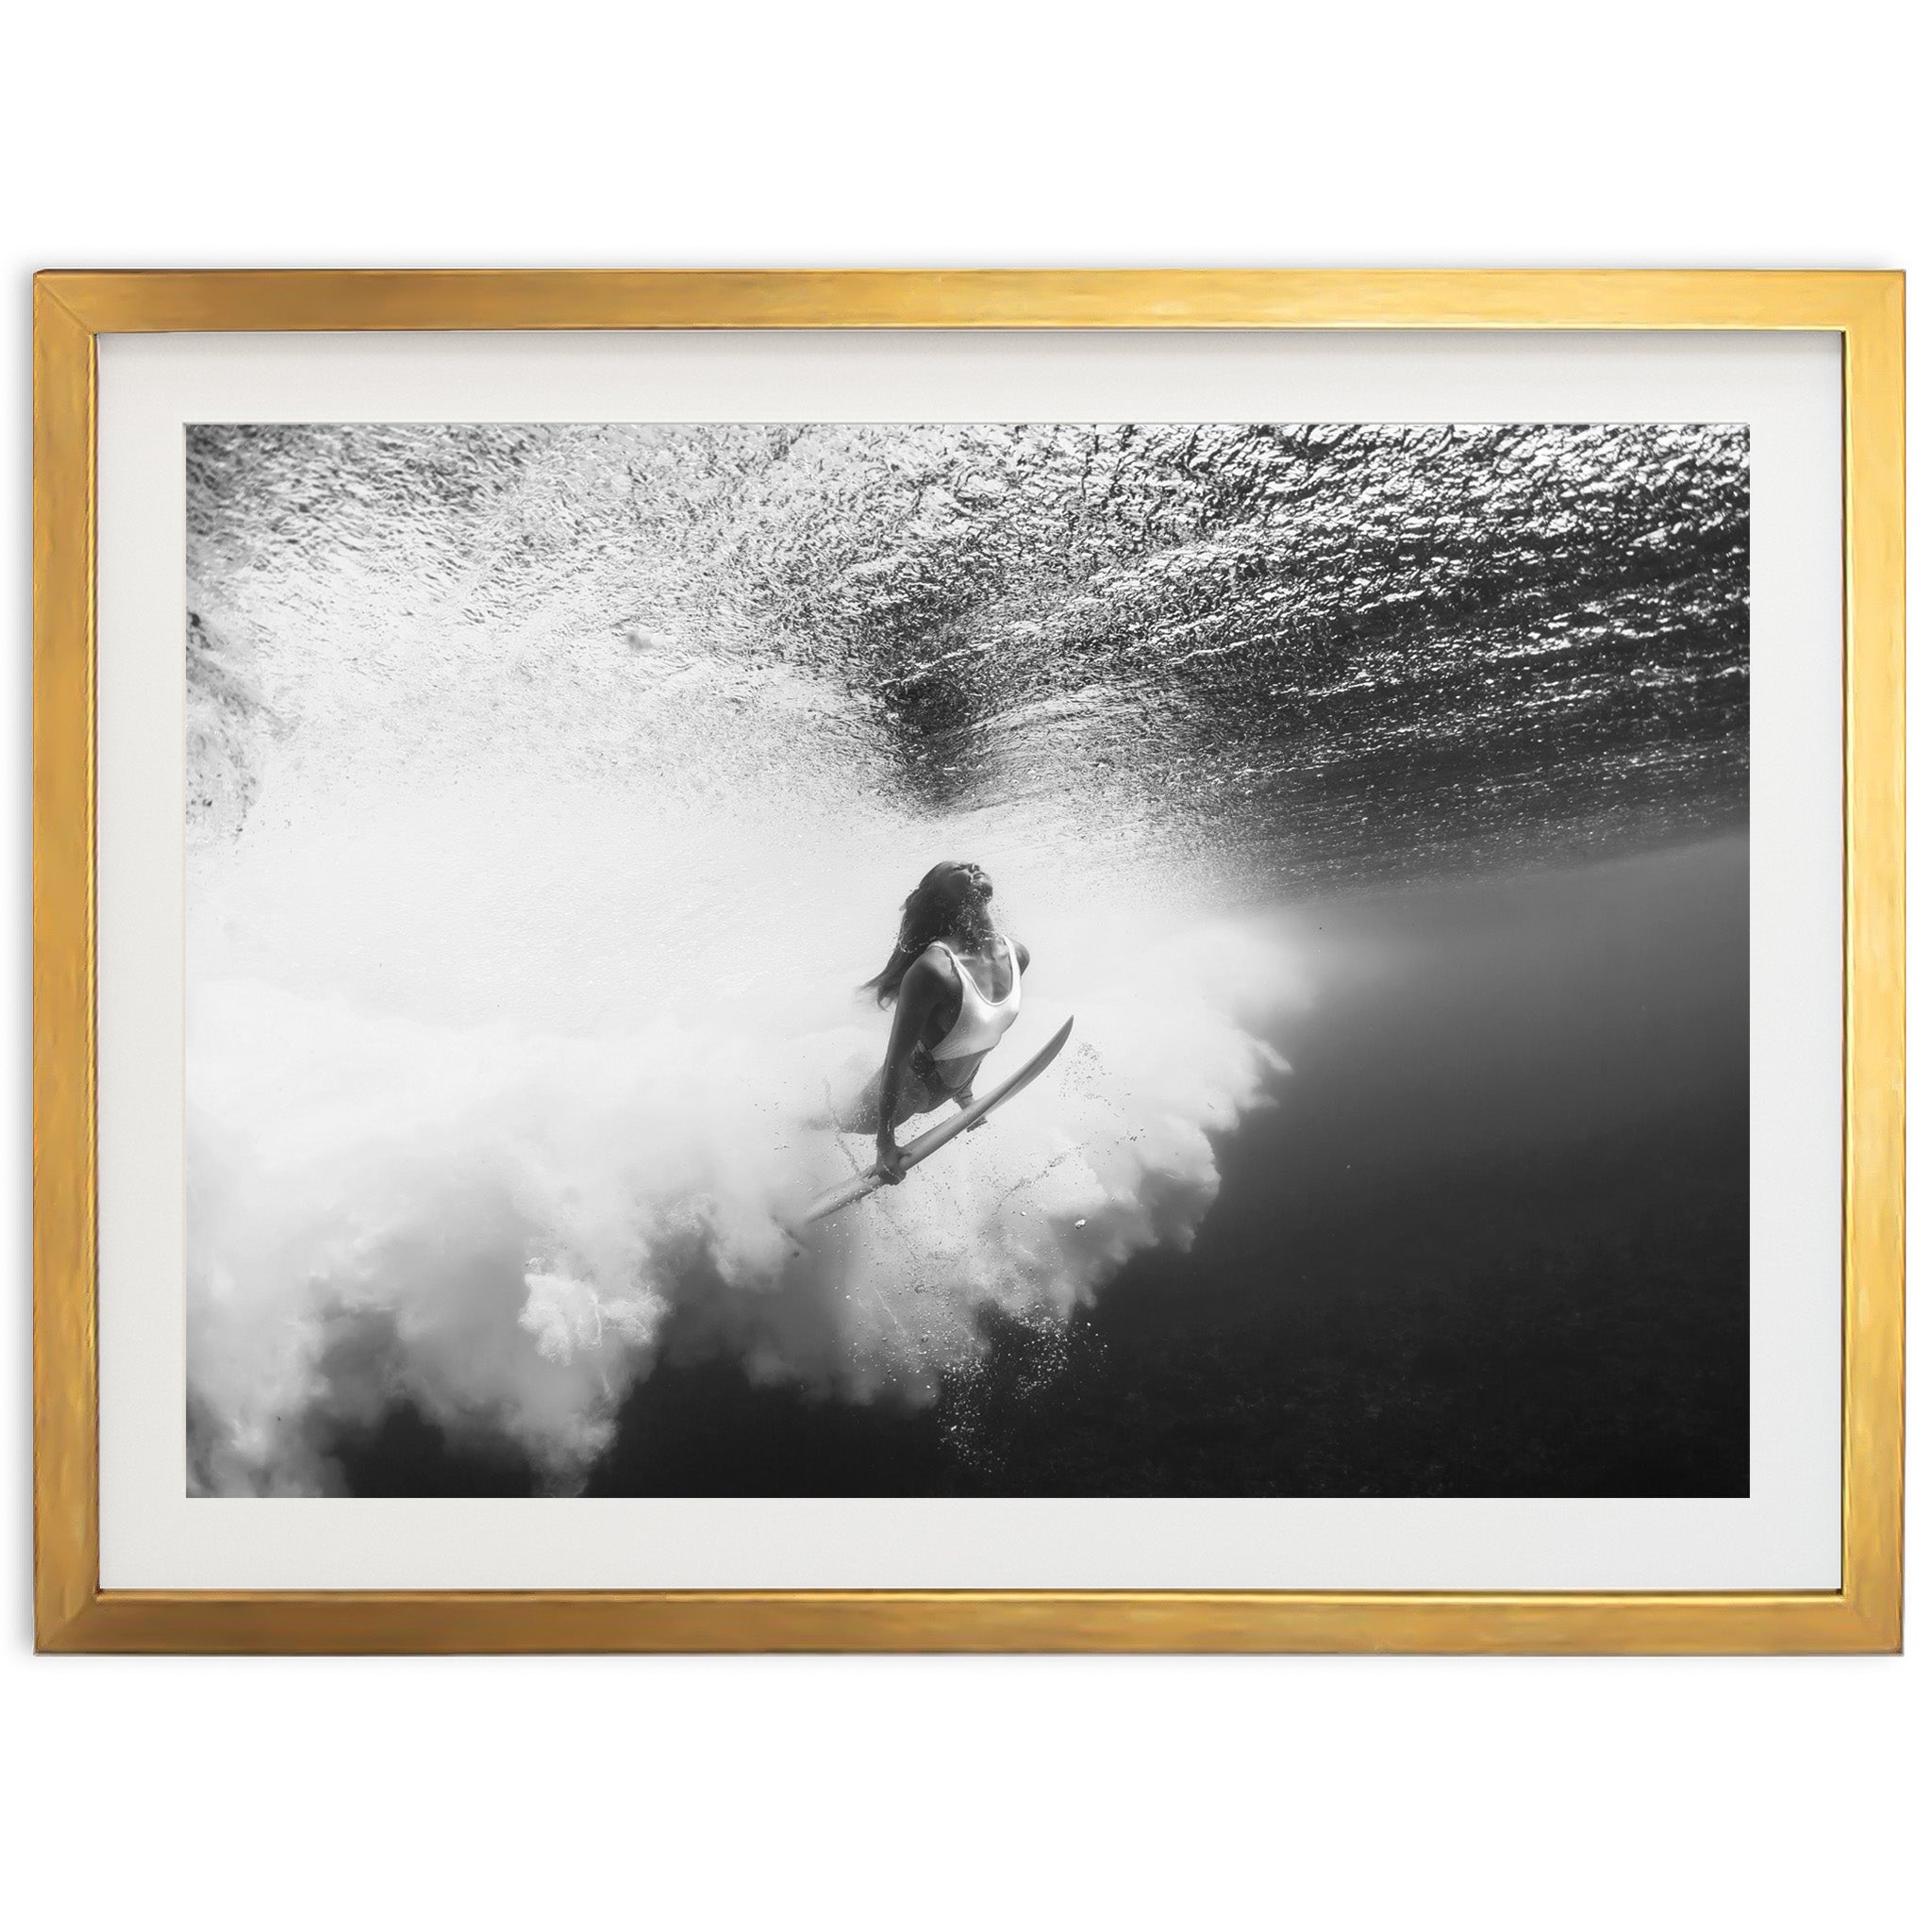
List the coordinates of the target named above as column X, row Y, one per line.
column 1358, row 1791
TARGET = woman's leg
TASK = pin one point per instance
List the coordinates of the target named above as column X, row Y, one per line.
column 921, row 1091
column 861, row 1113
column 918, row 1090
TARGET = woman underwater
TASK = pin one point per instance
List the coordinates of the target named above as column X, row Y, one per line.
column 954, row 983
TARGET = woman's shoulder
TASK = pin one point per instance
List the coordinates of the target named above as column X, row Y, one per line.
column 934, row 965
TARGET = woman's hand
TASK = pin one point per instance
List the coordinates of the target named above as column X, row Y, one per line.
column 891, row 1160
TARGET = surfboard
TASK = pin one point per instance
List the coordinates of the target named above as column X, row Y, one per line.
column 923, row 1147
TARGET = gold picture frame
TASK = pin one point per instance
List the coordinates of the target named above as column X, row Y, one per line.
column 73, row 1613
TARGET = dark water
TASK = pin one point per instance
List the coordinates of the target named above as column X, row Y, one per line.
column 1492, row 1242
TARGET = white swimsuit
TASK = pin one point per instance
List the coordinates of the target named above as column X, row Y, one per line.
column 982, row 1022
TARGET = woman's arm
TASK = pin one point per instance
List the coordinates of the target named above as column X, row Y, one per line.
column 920, row 992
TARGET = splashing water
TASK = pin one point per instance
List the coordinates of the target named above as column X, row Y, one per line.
column 495, row 1221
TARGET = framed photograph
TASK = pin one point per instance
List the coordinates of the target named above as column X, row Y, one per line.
column 986, row 961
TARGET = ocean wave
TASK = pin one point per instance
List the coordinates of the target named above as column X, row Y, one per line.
column 496, row 1226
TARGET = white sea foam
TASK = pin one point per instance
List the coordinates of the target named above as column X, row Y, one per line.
column 497, row 1224
column 523, row 966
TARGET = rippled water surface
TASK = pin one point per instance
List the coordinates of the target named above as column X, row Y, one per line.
column 1352, row 647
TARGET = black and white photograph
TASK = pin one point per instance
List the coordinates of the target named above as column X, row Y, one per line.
column 962, row 968
column 1107, row 959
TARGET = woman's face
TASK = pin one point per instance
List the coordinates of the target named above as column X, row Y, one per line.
column 964, row 884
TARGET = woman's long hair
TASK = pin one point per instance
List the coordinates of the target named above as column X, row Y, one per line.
column 928, row 915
